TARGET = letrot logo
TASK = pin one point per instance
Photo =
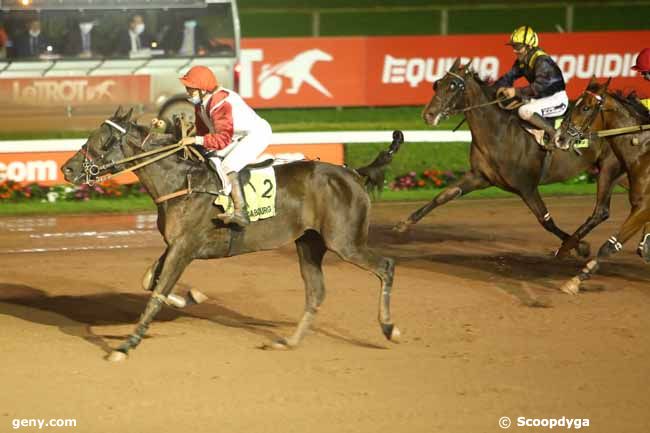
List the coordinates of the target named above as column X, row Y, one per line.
column 63, row 91
column 273, row 78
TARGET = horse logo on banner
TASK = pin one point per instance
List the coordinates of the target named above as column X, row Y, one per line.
column 298, row 70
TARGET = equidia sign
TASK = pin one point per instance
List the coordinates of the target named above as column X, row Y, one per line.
column 310, row 72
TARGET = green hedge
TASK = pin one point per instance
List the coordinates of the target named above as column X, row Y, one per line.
column 270, row 18
column 424, row 22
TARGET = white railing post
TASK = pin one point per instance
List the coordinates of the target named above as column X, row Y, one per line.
column 444, row 21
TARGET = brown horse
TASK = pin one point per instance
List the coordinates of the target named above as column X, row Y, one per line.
column 598, row 109
column 321, row 207
column 504, row 155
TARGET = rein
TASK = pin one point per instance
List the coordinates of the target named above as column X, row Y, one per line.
column 92, row 169
column 472, row 107
column 581, row 132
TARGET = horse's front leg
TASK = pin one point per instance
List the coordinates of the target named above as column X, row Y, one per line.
column 634, row 223
column 176, row 260
column 469, row 182
column 609, row 177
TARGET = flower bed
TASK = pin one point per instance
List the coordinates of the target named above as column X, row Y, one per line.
column 433, row 178
column 14, row 192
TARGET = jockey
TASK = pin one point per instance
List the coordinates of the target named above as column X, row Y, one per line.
column 643, row 67
column 545, row 95
column 227, row 125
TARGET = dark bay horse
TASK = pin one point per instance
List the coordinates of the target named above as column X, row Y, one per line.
column 321, row 207
column 503, row 154
column 598, row 109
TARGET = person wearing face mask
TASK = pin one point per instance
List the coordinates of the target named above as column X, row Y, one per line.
column 80, row 40
column 33, row 43
column 227, row 126
column 135, row 38
column 187, row 39
column 545, row 95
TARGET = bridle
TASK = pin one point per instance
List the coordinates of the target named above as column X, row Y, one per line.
column 459, row 81
column 579, row 133
column 92, row 171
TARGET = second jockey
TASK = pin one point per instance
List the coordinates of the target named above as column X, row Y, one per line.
column 545, row 95
column 642, row 66
column 228, row 126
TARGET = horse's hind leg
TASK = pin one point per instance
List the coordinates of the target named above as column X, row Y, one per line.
column 535, row 203
column 469, row 182
column 609, row 177
column 384, row 269
column 311, row 250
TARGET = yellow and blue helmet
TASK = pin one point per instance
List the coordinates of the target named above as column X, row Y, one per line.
column 524, row 35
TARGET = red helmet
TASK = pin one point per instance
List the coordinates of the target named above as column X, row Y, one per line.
column 200, row 77
column 643, row 61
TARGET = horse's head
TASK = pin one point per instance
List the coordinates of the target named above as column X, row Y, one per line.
column 584, row 116
column 104, row 146
column 448, row 94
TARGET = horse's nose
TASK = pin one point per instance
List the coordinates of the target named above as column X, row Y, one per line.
column 427, row 117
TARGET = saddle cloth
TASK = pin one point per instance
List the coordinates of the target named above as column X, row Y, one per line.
column 260, row 192
column 260, row 189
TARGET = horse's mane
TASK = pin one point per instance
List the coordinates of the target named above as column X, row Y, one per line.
column 486, row 85
column 633, row 105
column 630, row 101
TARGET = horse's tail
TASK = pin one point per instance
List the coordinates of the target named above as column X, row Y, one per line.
column 373, row 173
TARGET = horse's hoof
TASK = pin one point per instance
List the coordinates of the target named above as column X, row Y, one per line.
column 584, row 249
column 280, row 344
column 147, row 278
column 197, row 296
column 391, row 332
column 402, row 226
column 116, row 356
column 571, row 287
column 396, row 335
column 176, row 301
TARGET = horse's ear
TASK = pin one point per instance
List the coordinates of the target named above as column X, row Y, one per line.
column 456, row 64
column 467, row 67
column 118, row 112
column 606, row 85
column 128, row 115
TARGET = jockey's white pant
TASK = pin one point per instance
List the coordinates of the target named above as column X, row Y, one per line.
column 241, row 153
column 550, row 106
column 246, row 150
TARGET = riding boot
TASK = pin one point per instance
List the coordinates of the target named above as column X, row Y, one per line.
column 240, row 214
column 539, row 122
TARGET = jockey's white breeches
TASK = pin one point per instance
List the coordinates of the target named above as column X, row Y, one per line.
column 246, row 150
column 550, row 106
